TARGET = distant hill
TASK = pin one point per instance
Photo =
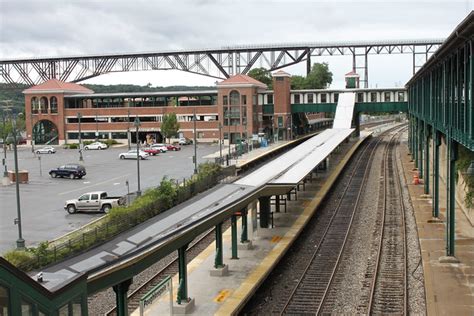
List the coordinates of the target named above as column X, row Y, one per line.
column 15, row 97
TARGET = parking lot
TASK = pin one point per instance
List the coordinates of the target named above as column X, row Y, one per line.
column 42, row 199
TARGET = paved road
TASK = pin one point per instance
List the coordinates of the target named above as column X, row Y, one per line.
column 42, row 199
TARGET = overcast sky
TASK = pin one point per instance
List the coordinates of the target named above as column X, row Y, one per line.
column 73, row 27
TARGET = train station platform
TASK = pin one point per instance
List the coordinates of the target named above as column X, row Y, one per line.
column 226, row 295
column 449, row 287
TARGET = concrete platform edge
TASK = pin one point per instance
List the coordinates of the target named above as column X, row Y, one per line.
column 239, row 297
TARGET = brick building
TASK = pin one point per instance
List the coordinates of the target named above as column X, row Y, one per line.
column 240, row 106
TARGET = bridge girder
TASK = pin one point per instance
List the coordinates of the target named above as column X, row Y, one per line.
column 217, row 63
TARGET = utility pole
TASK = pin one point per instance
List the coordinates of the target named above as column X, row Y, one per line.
column 96, row 128
column 79, row 116
column 20, row 242
column 220, row 141
column 195, row 144
column 32, row 134
column 128, row 128
column 137, row 125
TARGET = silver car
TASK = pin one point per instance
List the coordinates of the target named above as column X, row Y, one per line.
column 46, row 150
column 132, row 154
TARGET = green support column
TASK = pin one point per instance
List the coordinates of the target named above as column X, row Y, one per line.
column 277, row 203
column 183, row 276
column 421, row 132
column 427, row 161
column 437, row 140
column 357, row 124
column 219, row 261
column 244, row 237
column 264, row 202
column 415, row 143
column 121, row 290
column 233, row 226
column 453, row 153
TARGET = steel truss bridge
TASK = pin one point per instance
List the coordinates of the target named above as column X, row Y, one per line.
column 217, row 63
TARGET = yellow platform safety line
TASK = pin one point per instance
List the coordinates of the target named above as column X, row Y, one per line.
column 276, row 239
column 239, row 297
column 222, row 296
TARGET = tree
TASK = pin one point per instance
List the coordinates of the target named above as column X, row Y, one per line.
column 297, row 82
column 262, row 75
column 170, row 125
column 319, row 77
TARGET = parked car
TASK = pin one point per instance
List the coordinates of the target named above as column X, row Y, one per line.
column 46, row 150
column 96, row 145
column 185, row 141
column 152, row 151
column 132, row 154
column 160, row 147
column 71, row 171
column 93, row 201
column 172, row 147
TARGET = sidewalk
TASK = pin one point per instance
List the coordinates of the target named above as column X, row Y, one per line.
column 449, row 287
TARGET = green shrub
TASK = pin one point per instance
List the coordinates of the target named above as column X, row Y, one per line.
column 151, row 203
column 110, row 142
column 71, row 146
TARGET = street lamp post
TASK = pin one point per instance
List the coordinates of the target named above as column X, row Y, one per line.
column 228, row 123
column 137, row 125
column 79, row 116
column 220, row 141
column 195, row 144
column 20, row 242
column 32, row 134
column 128, row 128
column 96, row 128
column 4, row 161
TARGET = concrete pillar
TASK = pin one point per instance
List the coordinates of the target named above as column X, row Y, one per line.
column 277, row 203
column 121, row 300
column 264, row 202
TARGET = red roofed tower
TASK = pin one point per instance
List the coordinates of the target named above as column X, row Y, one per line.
column 239, row 111
column 44, row 109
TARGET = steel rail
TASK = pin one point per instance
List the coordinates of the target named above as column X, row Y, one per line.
column 388, row 188
column 338, row 207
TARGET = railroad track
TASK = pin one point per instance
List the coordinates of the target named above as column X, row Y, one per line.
column 309, row 292
column 170, row 269
column 389, row 292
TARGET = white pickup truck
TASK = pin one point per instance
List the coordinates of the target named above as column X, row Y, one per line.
column 93, row 201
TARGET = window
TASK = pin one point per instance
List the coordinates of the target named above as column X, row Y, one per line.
column 26, row 308
column 34, row 105
column 324, row 98
column 4, row 301
column 279, row 78
column 244, row 100
column 270, row 98
column 94, row 197
column 373, row 97
column 44, row 105
column 234, row 98
column 386, row 96
column 85, row 197
column 200, row 134
column 224, row 100
column 297, row 98
column 336, row 97
column 401, row 96
column 310, row 98
column 54, row 105
column 360, row 97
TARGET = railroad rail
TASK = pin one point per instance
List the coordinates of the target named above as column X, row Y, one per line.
column 309, row 291
column 389, row 291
